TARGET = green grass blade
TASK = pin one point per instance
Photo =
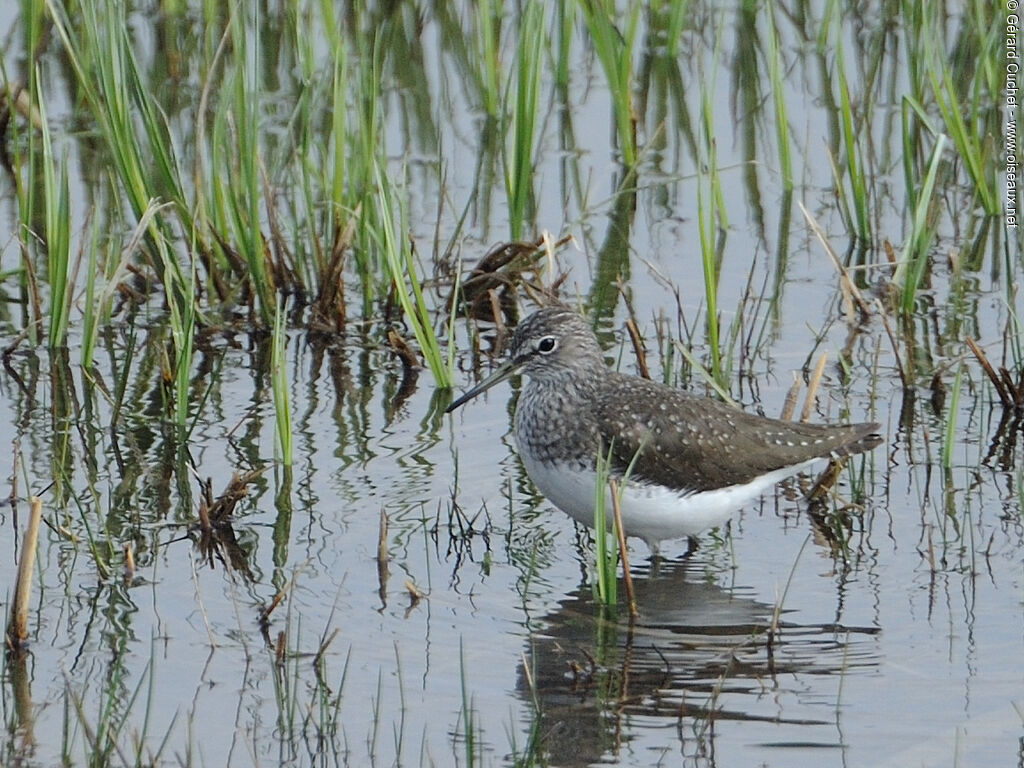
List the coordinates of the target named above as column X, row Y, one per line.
column 519, row 158
column 401, row 266
column 279, row 386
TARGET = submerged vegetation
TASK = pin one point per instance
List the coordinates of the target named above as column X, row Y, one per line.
column 229, row 229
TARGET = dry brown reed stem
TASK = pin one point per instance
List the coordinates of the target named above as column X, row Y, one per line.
column 824, row 482
column 129, row 564
column 410, row 363
column 812, row 388
column 382, row 558
column 17, row 627
column 415, row 595
column 328, row 311
column 22, row 104
column 848, row 285
column 638, row 348
column 1005, row 392
column 217, row 511
column 204, row 515
column 275, row 601
column 382, row 539
column 789, row 404
column 280, row 648
column 323, row 645
column 501, row 269
column 495, row 302
column 987, row 367
column 895, row 349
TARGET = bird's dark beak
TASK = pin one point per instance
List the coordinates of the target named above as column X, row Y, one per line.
column 504, row 371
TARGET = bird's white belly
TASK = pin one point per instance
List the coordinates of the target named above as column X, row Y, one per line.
column 650, row 512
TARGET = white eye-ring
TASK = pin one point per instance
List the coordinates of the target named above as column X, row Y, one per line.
column 547, row 345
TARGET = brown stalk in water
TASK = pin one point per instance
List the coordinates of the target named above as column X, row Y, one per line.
column 17, row 626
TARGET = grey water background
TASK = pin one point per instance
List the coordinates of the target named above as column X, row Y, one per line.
column 903, row 650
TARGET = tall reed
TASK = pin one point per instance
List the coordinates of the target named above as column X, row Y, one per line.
column 615, row 49
column 606, row 542
column 236, row 130
column 392, row 239
column 974, row 147
column 711, row 221
column 279, row 386
column 487, row 40
column 850, row 129
column 99, row 299
column 182, row 313
column 949, row 440
column 471, row 735
column 519, row 157
column 131, row 123
column 776, row 67
column 914, row 259
column 57, row 210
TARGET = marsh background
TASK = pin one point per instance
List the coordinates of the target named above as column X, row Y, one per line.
column 240, row 239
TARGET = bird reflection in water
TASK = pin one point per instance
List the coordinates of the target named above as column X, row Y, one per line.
column 697, row 655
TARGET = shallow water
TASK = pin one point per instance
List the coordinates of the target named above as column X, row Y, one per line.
column 768, row 645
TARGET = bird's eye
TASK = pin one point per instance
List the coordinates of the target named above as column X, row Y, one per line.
column 546, row 345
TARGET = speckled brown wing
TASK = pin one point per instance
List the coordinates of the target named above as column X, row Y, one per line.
column 695, row 444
